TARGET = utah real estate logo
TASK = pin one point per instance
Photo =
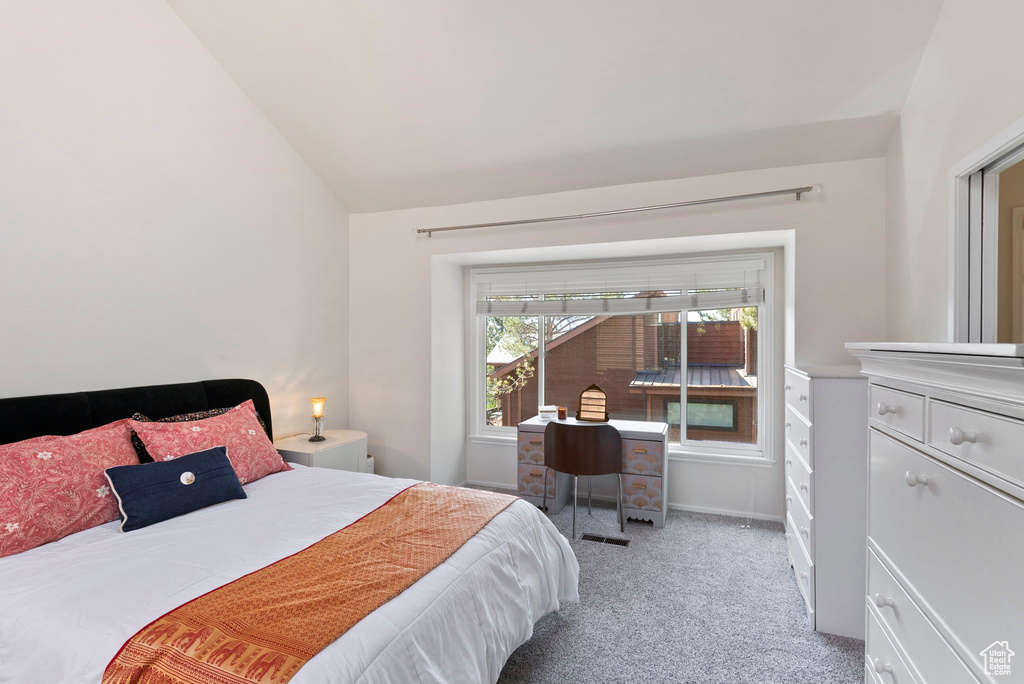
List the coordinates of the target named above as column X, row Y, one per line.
column 997, row 658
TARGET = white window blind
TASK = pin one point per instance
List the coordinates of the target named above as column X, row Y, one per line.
column 620, row 287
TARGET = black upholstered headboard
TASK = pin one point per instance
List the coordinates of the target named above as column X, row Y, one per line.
column 65, row 414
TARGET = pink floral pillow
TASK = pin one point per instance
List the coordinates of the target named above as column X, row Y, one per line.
column 251, row 453
column 51, row 487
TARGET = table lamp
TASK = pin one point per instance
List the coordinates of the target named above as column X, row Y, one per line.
column 318, row 419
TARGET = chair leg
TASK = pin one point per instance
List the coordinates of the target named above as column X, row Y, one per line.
column 575, row 484
column 618, row 506
column 590, row 490
column 545, row 506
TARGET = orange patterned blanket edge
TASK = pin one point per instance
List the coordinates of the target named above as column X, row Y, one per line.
column 263, row 627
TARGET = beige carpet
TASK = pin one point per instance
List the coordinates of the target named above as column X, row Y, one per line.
column 702, row 600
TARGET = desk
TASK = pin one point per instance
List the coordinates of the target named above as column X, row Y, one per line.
column 644, row 468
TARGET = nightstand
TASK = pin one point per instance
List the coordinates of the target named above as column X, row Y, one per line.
column 342, row 450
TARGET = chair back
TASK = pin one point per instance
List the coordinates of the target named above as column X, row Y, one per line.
column 582, row 449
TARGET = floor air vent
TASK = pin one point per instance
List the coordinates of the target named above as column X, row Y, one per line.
column 605, row 540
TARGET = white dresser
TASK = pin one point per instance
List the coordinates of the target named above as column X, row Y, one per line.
column 945, row 600
column 826, row 469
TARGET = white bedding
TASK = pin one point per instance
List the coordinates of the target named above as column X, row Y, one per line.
column 67, row 607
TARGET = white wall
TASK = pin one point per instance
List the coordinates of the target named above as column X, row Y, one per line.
column 416, row 421
column 154, row 226
column 969, row 88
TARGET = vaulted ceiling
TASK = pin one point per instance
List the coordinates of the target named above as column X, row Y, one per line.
column 404, row 103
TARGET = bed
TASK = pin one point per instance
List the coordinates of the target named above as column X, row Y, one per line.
column 68, row 606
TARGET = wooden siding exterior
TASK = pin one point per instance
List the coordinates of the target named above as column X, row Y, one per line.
column 612, row 352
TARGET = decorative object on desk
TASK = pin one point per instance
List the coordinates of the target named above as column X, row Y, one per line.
column 563, row 413
column 318, row 418
column 593, row 405
column 547, row 412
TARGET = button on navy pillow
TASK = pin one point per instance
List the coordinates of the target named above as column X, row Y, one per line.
column 152, row 492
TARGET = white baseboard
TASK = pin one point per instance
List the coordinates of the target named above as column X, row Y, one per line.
column 724, row 511
column 497, row 485
column 673, row 506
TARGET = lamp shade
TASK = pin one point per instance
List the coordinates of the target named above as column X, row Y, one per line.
column 318, row 406
column 593, row 405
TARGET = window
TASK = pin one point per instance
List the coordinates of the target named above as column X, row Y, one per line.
column 721, row 375
column 709, row 414
column 544, row 334
column 511, row 358
column 984, row 296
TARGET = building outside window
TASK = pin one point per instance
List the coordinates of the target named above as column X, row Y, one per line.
column 636, row 361
column 686, row 353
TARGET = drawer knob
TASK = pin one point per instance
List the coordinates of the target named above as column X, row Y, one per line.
column 804, row 531
column 913, row 479
column 789, row 499
column 803, row 442
column 803, row 576
column 789, row 387
column 803, row 397
column 884, row 409
column 958, row 436
column 789, row 461
column 804, row 487
column 788, row 536
column 882, row 668
column 788, row 425
column 883, row 601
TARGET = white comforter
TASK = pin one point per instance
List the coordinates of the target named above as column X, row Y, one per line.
column 67, row 607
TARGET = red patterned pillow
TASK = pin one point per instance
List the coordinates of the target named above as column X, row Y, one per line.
column 251, row 453
column 51, row 487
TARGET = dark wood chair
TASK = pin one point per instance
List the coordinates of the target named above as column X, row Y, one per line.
column 583, row 450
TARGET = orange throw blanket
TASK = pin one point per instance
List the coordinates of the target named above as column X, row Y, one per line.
column 264, row 626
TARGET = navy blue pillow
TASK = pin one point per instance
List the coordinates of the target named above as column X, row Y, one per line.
column 152, row 492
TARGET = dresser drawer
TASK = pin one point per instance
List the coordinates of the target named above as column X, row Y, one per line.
column 929, row 654
column 959, row 543
column 642, row 457
column 641, row 492
column 883, row 658
column 803, row 568
column 801, row 517
column 901, row 411
column 531, row 480
column 531, row 447
column 991, row 442
column 798, row 471
column 798, row 432
column 798, row 393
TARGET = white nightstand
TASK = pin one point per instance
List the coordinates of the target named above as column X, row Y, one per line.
column 342, row 450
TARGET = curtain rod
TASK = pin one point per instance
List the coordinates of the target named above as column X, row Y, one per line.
column 770, row 193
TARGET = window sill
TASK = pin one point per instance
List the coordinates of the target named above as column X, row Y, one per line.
column 689, row 454
column 501, row 440
column 684, row 454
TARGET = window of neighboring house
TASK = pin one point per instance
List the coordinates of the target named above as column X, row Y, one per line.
column 710, row 414
column 543, row 347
